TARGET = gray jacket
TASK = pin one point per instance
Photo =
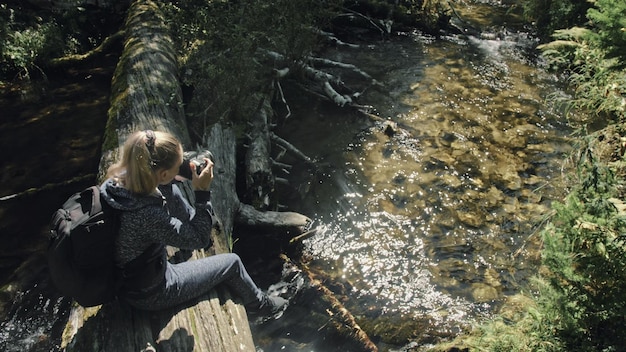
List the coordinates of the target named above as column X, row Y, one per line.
column 178, row 217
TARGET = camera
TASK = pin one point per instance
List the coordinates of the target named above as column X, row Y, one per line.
column 198, row 159
column 200, row 165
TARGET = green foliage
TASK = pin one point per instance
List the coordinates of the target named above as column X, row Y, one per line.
column 529, row 328
column 601, row 81
column 25, row 44
column 30, row 37
column 609, row 17
column 552, row 15
column 565, row 52
column 594, row 57
column 219, row 43
column 585, row 252
column 600, row 86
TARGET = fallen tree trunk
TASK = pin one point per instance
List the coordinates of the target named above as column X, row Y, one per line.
column 224, row 195
column 146, row 95
column 328, row 315
column 145, row 89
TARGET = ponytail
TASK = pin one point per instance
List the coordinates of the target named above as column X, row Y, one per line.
column 145, row 153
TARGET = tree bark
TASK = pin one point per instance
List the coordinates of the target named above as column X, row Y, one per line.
column 259, row 177
column 222, row 144
column 145, row 89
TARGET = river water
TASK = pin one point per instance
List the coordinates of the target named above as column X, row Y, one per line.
column 430, row 220
column 426, row 222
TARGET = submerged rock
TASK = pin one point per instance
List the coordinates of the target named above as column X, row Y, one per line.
column 483, row 293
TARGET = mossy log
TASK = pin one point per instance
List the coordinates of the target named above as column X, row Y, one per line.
column 146, row 95
column 145, row 92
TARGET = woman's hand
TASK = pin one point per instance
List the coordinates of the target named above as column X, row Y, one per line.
column 203, row 181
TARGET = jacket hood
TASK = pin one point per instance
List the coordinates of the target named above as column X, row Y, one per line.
column 120, row 198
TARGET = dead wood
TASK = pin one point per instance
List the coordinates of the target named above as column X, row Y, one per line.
column 250, row 216
column 222, row 143
column 303, row 236
column 322, row 84
column 329, row 314
column 384, row 29
column 331, row 38
column 322, row 62
column 145, row 89
column 292, row 149
column 259, row 176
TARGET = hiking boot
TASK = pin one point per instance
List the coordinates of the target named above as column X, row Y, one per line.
column 272, row 307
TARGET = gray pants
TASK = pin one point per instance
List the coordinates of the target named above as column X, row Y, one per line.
column 191, row 279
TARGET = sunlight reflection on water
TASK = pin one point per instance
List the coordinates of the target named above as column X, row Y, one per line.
column 382, row 255
column 437, row 218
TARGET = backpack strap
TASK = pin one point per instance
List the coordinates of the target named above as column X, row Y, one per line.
column 96, row 205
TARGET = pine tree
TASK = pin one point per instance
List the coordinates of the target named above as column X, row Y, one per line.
column 609, row 17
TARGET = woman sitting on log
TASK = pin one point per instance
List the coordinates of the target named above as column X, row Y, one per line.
column 155, row 212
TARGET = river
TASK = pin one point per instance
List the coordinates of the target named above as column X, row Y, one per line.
column 427, row 222
column 430, row 221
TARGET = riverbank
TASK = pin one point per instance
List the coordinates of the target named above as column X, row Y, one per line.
column 576, row 299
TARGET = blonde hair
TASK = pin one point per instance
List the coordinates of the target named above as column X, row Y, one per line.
column 145, row 153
